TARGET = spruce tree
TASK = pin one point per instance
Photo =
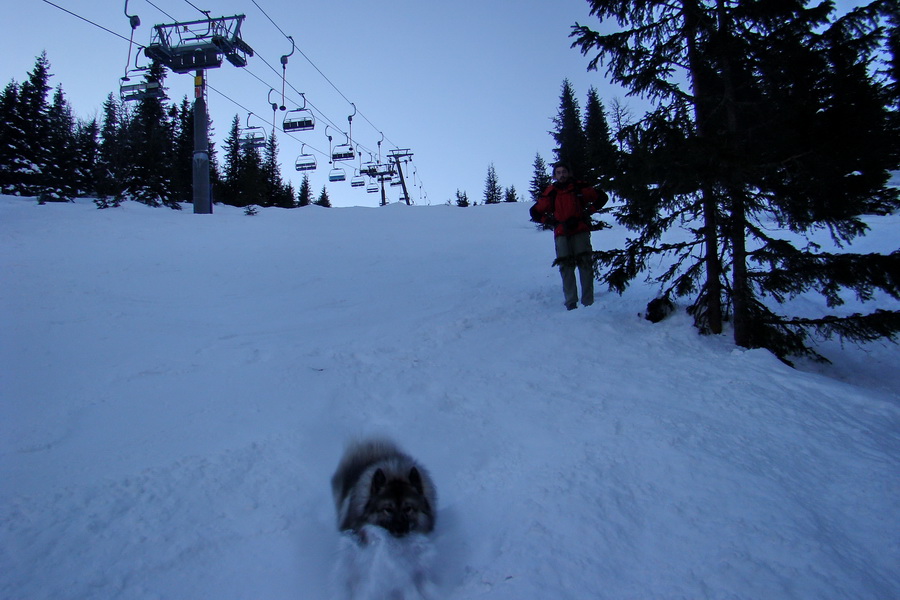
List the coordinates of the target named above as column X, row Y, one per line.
column 493, row 193
column 462, row 200
column 182, row 119
column 304, row 194
column 231, row 176
column 32, row 112
column 275, row 191
column 111, row 168
column 510, row 195
column 150, row 139
column 13, row 167
column 251, row 179
column 323, row 199
column 600, row 150
column 782, row 123
column 87, row 146
column 569, row 134
column 540, row 179
column 58, row 182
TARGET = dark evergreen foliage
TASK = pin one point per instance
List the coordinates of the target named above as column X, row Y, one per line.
column 493, row 193
column 569, row 133
column 59, row 177
column 141, row 150
column 600, row 151
column 540, row 179
column 304, row 194
column 150, row 139
column 323, row 199
column 787, row 120
column 462, row 199
column 275, row 192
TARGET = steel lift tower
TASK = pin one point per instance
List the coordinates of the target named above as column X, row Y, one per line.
column 197, row 46
column 396, row 156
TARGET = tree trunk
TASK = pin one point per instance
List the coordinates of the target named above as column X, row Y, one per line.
column 713, row 286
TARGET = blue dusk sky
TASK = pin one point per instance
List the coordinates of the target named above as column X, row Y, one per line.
column 461, row 84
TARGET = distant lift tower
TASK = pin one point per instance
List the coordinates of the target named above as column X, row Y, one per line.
column 398, row 157
column 196, row 46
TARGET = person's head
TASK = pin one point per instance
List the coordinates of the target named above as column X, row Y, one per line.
column 561, row 172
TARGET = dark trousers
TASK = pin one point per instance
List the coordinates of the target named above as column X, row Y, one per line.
column 574, row 251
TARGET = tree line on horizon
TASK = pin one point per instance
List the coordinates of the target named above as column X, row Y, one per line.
column 140, row 151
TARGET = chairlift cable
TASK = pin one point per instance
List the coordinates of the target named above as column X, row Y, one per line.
column 303, row 54
column 317, row 109
column 201, row 11
column 247, row 110
column 161, row 10
column 86, row 20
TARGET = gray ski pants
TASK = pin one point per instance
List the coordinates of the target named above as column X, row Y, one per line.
column 575, row 251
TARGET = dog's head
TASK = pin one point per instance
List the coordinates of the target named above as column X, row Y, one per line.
column 399, row 505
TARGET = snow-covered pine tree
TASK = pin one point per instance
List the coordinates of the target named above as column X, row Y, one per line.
column 59, row 177
column 150, row 140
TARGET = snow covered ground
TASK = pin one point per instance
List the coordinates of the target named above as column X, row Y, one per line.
column 176, row 390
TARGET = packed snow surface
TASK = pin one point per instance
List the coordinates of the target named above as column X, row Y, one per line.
column 176, row 391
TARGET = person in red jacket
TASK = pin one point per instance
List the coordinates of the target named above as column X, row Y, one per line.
column 567, row 205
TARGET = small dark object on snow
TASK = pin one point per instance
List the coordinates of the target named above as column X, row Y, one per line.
column 658, row 309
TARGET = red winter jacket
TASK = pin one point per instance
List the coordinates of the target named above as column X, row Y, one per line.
column 569, row 206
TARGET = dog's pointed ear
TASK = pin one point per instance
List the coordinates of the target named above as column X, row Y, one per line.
column 415, row 479
column 378, row 481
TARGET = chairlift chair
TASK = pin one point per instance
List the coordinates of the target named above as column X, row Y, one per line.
column 357, row 181
column 298, row 119
column 372, row 186
column 253, row 137
column 368, row 168
column 343, row 152
column 305, row 162
column 337, row 174
column 140, row 91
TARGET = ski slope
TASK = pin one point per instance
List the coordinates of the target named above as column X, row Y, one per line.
column 176, row 390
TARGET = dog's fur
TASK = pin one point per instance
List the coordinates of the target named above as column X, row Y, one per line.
column 658, row 309
column 377, row 484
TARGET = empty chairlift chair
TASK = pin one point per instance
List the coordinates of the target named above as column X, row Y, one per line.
column 337, row 174
column 305, row 162
column 343, row 152
column 253, row 137
column 298, row 119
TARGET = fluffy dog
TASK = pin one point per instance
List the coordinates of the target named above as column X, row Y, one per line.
column 377, row 484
